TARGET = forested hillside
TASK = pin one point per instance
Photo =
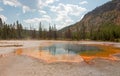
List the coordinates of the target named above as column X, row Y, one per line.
column 103, row 23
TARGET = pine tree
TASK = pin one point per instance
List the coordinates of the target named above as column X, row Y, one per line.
column 19, row 30
column 40, row 30
column 1, row 23
column 55, row 32
column 50, row 32
column 1, row 28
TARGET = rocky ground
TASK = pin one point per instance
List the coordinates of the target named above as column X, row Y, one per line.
column 18, row 65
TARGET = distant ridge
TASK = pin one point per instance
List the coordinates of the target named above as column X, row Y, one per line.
column 107, row 13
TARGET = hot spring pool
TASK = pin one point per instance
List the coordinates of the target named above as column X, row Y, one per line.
column 66, row 52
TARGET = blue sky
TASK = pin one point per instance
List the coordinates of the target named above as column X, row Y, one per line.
column 59, row 12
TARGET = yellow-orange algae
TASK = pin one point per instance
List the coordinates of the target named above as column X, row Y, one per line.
column 107, row 53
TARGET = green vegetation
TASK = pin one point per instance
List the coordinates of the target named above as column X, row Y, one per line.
column 102, row 23
column 105, row 32
column 16, row 31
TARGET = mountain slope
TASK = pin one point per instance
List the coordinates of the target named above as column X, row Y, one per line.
column 107, row 13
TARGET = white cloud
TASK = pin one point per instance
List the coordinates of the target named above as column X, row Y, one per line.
column 32, row 20
column 68, row 9
column 64, row 13
column 45, row 18
column 83, row 2
column 75, row 9
column 26, row 9
column 14, row 3
column 1, row 9
column 43, row 3
column 50, row 1
column 3, row 18
column 62, row 18
column 42, row 12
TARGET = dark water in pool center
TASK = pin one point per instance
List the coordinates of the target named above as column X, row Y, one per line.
column 73, row 49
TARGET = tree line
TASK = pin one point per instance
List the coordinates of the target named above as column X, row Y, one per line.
column 105, row 32
column 16, row 31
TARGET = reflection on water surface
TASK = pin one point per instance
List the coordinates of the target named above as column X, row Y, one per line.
column 75, row 49
column 69, row 52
